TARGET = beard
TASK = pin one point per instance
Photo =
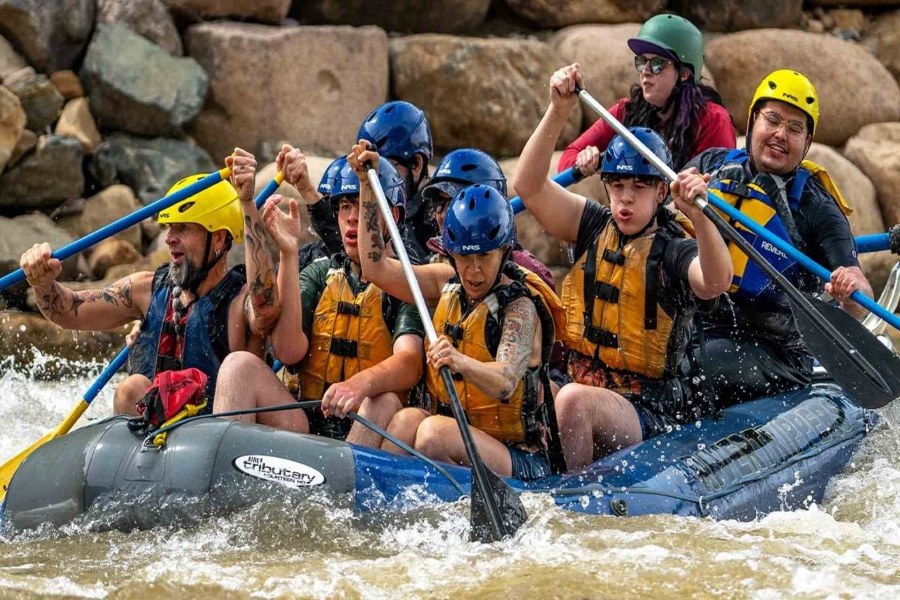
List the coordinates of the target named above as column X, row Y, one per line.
column 185, row 276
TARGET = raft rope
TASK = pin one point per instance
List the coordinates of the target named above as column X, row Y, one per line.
column 312, row 404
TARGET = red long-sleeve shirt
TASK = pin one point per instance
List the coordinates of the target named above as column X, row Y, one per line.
column 715, row 131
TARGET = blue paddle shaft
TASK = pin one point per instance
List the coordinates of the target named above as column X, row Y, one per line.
column 875, row 242
column 119, row 225
column 106, row 375
column 266, row 192
column 565, row 179
column 808, row 263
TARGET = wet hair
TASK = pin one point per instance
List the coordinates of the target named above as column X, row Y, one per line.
column 689, row 98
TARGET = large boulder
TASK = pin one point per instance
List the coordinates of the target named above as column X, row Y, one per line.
column 68, row 84
column 883, row 38
column 312, row 86
column 876, row 151
column 549, row 13
column 606, row 62
column 20, row 233
column 149, row 167
column 112, row 253
column 39, row 97
column 147, row 18
column 51, row 35
column 77, row 122
column 860, row 92
column 136, row 86
column 10, row 60
column 485, row 93
column 403, row 16
column 45, row 178
column 12, row 123
column 735, row 15
column 105, row 207
column 266, row 11
column 24, row 145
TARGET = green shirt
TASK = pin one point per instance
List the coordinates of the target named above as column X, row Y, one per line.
column 400, row 317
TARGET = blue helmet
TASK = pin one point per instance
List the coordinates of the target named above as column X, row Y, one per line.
column 479, row 219
column 346, row 183
column 326, row 184
column 399, row 130
column 623, row 160
column 462, row 168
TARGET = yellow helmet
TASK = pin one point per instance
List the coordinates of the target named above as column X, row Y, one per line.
column 217, row 207
column 791, row 88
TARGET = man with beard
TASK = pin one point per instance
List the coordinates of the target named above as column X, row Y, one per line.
column 193, row 310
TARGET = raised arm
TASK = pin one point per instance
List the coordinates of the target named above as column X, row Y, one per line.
column 289, row 342
column 556, row 209
column 292, row 162
column 117, row 304
column 377, row 267
column 500, row 378
column 262, row 307
column 710, row 273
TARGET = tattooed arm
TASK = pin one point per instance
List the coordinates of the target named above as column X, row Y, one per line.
column 519, row 347
column 376, row 259
column 261, row 307
column 125, row 300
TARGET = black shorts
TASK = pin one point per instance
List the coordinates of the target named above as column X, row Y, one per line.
column 330, row 427
column 743, row 369
column 527, row 466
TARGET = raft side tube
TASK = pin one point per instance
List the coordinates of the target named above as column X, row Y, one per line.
column 208, row 466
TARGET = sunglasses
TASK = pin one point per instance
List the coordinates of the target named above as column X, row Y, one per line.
column 657, row 63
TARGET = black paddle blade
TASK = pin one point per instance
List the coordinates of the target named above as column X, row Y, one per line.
column 512, row 512
column 867, row 370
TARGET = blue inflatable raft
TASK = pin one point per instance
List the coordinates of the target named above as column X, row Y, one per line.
column 771, row 454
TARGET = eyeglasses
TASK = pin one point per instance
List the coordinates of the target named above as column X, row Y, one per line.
column 775, row 121
column 657, row 63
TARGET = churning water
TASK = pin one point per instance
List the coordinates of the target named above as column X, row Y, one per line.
column 285, row 548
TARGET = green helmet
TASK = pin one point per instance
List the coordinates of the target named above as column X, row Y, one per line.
column 671, row 36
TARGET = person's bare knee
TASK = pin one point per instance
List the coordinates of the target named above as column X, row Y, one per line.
column 431, row 438
column 128, row 393
column 403, row 426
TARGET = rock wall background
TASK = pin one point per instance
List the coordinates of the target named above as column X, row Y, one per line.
column 105, row 103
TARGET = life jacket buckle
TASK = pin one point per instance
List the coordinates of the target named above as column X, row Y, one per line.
column 342, row 347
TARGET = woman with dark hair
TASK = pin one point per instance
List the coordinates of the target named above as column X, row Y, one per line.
column 670, row 99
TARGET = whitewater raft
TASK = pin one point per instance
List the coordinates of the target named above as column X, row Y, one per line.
column 775, row 453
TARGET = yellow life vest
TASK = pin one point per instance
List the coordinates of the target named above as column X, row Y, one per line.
column 348, row 335
column 612, row 301
column 749, row 282
column 476, row 333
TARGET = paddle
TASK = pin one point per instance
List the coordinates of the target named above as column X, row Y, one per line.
column 565, row 179
column 119, row 225
column 9, row 467
column 496, row 510
column 876, row 242
column 868, row 371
